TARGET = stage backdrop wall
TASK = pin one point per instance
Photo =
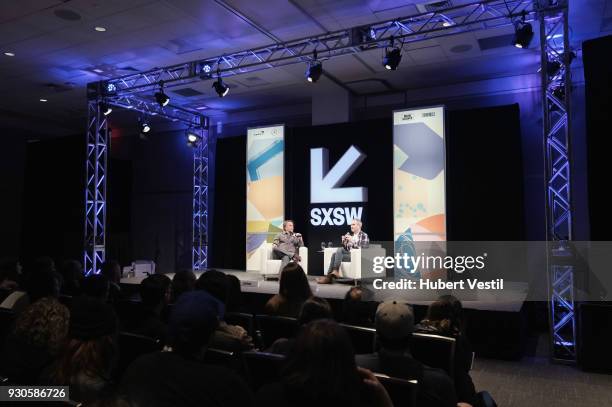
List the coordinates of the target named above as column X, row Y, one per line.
column 367, row 167
column 484, row 189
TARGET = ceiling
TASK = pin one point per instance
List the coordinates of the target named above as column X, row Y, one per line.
column 58, row 51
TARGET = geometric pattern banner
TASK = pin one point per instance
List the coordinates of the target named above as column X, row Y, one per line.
column 419, row 199
column 265, row 189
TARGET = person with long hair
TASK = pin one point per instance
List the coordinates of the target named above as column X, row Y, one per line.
column 292, row 292
column 88, row 356
column 321, row 371
column 35, row 341
column 445, row 317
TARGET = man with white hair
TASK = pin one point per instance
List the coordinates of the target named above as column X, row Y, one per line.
column 357, row 239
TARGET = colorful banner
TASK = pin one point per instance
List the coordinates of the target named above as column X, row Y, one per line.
column 265, row 189
column 419, row 158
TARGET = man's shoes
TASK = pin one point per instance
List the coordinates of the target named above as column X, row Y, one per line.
column 328, row 279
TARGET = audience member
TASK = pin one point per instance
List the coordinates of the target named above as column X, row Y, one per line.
column 35, row 340
column 72, row 275
column 89, row 354
column 183, row 281
column 10, row 271
column 155, row 295
column 39, row 280
column 321, row 371
column 227, row 337
column 96, row 286
column 445, row 317
column 178, row 378
column 111, row 269
column 234, row 294
column 394, row 323
column 313, row 308
column 293, row 291
column 356, row 309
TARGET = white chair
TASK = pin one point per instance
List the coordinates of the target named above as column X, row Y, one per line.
column 360, row 265
column 271, row 266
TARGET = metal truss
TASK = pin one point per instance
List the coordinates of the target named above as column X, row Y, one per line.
column 95, row 188
column 556, row 58
column 200, row 202
column 432, row 24
column 98, row 145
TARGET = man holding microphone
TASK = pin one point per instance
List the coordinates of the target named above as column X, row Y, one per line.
column 355, row 240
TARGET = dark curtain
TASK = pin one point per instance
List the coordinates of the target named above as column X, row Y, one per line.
column 484, row 178
column 53, row 209
column 228, row 243
column 598, row 82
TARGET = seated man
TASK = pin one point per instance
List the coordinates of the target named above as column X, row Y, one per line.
column 179, row 378
column 394, row 326
column 357, row 239
column 287, row 245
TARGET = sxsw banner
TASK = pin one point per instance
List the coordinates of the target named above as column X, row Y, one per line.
column 419, row 209
column 265, row 188
column 336, row 173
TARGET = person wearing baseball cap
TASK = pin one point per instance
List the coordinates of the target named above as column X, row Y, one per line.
column 179, row 378
column 394, row 322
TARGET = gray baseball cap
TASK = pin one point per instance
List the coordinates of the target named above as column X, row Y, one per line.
column 394, row 320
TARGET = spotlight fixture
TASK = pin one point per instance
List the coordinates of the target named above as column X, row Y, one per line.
column 193, row 138
column 9, row 54
column 161, row 98
column 105, row 109
column 221, row 88
column 144, row 126
column 392, row 58
column 43, row 100
column 523, row 33
column 314, row 70
column 100, row 29
column 206, row 71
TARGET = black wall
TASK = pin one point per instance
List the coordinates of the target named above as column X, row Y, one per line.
column 53, row 204
column 598, row 82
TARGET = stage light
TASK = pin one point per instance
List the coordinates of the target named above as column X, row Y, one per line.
column 161, row 98
column 100, row 29
column 314, row 70
column 392, row 59
column 43, row 100
column 193, row 138
column 221, row 88
column 523, row 34
column 105, row 109
column 9, row 54
column 144, row 126
column 206, row 71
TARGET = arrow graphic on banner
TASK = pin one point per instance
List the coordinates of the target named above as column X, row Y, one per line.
column 424, row 148
column 325, row 185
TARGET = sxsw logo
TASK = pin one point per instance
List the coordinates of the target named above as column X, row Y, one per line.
column 326, row 187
